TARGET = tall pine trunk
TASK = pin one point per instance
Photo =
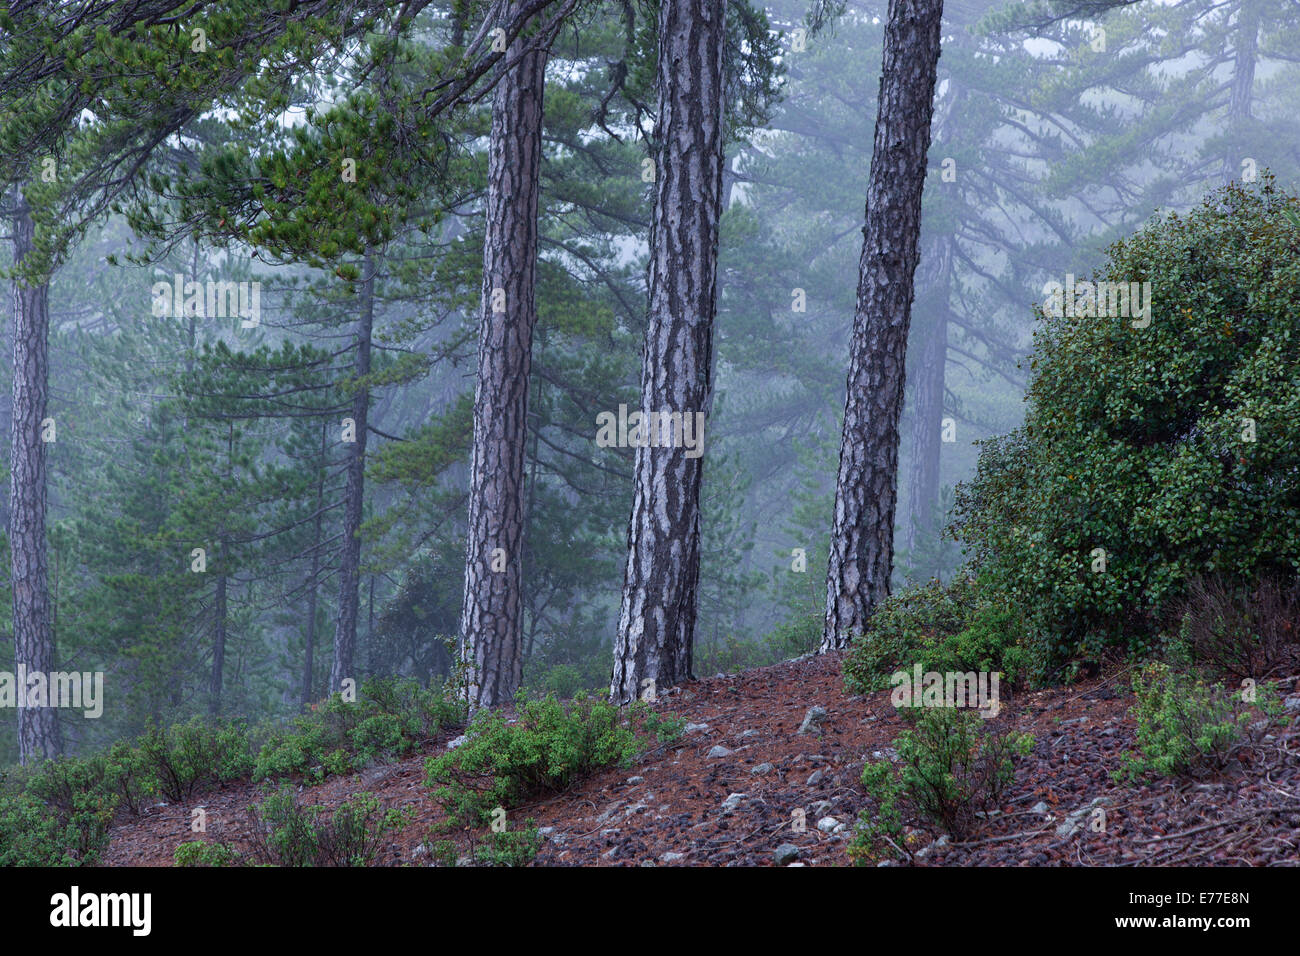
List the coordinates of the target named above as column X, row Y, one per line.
column 656, row 627
column 862, row 538
column 38, row 727
column 492, row 614
column 345, row 630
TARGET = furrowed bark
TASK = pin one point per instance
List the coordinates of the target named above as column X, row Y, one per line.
column 655, row 637
column 492, row 613
column 862, row 538
column 38, row 727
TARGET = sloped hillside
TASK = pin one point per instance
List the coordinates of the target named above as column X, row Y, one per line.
column 726, row 792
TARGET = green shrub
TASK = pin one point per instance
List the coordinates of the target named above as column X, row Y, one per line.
column 544, row 750
column 509, row 847
column 954, row 627
column 195, row 754
column 32, row 833
column 202, row 853
column 389, row 718
column 291, row 834
column 989, row 643
column 1136, row 440
column 1185, row 726
column 951, row 769
column 129, row 776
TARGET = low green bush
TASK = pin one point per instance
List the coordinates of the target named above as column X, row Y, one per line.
column 955, row 627
column 951, row 769
column 186, row 757
column 1186, row 726
column 32, row 833
column 509, row 847
column 545, row 748
column 202, row 853
column 291, row 834
column 389, row 719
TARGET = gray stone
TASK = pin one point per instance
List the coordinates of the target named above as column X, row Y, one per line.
column 453, row 744
column 720, row 751
column 925, row 851
column 827, row 824
column 673, row 857
column 816, row 777
column 733, row 802
column 745, row 735
column 1040, row 807
column 822, row 807
column 762, row 768
column 633, row 781
column 812, row 720
column 1074, row 820
column 785, row 853
column 693, row 728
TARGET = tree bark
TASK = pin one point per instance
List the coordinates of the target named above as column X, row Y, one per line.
column 923, row 473
column 862, row 538
column 38, row 727
column 345, row 630
column 655, row 638
column 492, row 613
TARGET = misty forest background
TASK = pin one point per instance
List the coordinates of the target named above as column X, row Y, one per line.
column 1052, row 137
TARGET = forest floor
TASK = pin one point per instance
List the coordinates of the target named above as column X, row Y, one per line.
column 668, row 808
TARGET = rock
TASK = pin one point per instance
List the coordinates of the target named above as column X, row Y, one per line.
column 822, row 807
column 720, row 751
column 925, row 851
column 1291, row 703
column 1074, row 820
column 886, row 753
column 453, row 744
column 828, row 824
column 694, row 728
column 671, row 857
column 733, row 802
column 609, row 834
column 1040, row 807
column 748, row 733
column 546, row 832
column 419, row 851
column 785, row 853
column 762, row 768
column 812, row 721
column 1074, row 720
column 719, row 675
column 633, row 781
column 793, row 865
column 816, row 778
